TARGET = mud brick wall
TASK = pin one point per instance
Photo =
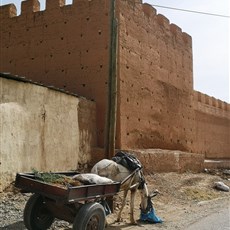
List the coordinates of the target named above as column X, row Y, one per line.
column 212, row 126
column 68, row 46
column 64, row 45
column 155, row 81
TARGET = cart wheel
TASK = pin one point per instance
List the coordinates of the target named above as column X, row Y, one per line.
column 36, row 215
column 91, row 216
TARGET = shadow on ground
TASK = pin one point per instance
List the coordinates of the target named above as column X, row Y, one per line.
column 15, row 226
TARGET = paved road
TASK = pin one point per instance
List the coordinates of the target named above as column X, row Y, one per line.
column 215, row 221
column 206, row 215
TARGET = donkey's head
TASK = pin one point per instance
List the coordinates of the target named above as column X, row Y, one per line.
column 146, row 206
column 146, row 199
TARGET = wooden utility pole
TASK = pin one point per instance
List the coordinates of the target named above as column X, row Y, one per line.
column 112, row 87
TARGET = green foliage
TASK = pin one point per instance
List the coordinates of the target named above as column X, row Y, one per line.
column 48, row 177
column 55, row 178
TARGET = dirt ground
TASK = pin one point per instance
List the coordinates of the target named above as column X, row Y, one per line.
column 183, row 199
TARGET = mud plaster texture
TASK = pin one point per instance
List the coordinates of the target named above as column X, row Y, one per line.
column 68, row 46
column 43, row 129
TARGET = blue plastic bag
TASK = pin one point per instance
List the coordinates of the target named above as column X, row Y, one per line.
column 150, row 217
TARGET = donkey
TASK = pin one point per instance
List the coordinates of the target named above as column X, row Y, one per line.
column 132, row 181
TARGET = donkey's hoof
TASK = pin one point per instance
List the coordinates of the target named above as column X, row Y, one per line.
column 134, row 223
column 118, row 220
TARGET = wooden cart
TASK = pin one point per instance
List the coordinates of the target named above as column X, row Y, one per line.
column 84, row 206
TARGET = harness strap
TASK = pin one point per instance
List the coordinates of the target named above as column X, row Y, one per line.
column 139, row 184
column 130, row 175
column 134, row 186
column 142, row 182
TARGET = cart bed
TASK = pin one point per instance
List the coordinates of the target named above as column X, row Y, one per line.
column 28, row 183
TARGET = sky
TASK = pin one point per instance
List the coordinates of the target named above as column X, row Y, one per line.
column 210, row 36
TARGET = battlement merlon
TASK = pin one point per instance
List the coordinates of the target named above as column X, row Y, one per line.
column 8, row 11
column 33, row 6
column 163, row 21
column 149, row 11
column 211, row 101
column 30, row 6
column 50, row 4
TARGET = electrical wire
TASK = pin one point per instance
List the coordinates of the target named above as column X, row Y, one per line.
column 184, row 10
column 191, row 11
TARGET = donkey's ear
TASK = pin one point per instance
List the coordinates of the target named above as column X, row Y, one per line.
column 154, row 193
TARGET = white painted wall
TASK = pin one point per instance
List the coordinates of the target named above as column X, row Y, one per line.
column 39, row 129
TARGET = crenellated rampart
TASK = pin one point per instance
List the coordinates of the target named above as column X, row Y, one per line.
column 68, row 46
column 65, row 45
column 207, row 104
column 212, row 118
column 156, row 85
column 158, row 105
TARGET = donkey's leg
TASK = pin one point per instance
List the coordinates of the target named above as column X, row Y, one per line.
column 122, row 205
column 132, row 199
